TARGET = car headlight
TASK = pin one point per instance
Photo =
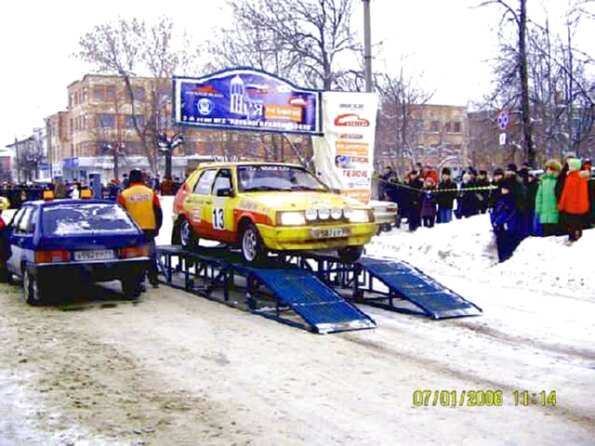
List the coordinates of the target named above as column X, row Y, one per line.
column 291, row 219
column 311, row 214
column 336, row 213
column 359, row 216
column 324, row 213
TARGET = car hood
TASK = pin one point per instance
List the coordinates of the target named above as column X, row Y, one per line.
column 299, row 200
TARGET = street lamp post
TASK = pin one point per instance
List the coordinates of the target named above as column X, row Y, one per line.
column 167, row 146
column 367, row 46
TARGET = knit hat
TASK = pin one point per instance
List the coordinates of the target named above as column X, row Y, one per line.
column 553, row 165
column 136, row 176
column 511, row 167
column 498, row 171
column 445, row 171
column 574, row 164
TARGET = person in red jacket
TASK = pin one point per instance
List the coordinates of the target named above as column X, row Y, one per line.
column 574, row 200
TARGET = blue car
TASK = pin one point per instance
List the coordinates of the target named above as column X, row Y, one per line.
column 71, row 242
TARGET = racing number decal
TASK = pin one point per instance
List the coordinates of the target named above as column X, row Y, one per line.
column 218, row 220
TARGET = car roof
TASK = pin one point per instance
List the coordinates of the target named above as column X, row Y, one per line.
column 48, row 203
column 218, row 164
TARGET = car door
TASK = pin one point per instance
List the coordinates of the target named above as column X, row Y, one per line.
column 20, row 239
column 198, row 204
column 221, row 210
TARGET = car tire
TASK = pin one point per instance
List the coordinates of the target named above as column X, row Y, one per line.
column 132, row 287
column 251, row 245
column 350, row 254
column 33, row 291
column 188, row 238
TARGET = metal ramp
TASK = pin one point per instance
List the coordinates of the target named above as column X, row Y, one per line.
column 222, row 276
column 403, row 282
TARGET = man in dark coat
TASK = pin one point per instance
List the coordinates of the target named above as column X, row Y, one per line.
column 445, row 199
column 483, row 195
column 505, row 219
column 414, row 196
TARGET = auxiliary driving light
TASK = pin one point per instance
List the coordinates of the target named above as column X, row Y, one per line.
column 311, row 214
column 324, row 213
column 336, row 213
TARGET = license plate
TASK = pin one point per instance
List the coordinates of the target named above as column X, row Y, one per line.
column 330, row 233
column 96, row 254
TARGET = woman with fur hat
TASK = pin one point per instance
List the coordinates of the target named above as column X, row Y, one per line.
column 574, row 200
column 546, row 204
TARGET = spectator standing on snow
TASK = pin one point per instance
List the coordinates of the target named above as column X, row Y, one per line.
column 519, row 193
column 504, row 218
column 414, row 200
column 587, row 166
column 469, row 202
column 483, row 195
column 428, row 203
column 445, row 199
column 546, row 204
column 383, row 180
column 574, row 200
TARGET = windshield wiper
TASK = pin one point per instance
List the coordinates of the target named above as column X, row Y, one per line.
column 264, row 189
column 308, row 188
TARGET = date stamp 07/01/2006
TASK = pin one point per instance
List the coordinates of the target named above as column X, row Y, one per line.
column 482, row 398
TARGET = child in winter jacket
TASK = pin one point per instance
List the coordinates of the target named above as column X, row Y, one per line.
column 546, row 204
column 428, row 203
column 574, row 200
column 505, row 218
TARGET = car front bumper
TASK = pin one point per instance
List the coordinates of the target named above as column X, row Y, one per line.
column 299, row 238
column 66, row 273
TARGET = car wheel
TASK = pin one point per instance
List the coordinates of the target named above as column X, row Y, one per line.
column 32, row 289
column 188, row 238
column 350, row 254
column 132, row 287
column 253, row 249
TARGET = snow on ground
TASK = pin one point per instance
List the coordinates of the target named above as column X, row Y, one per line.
column 467, row 248
column 174, row 368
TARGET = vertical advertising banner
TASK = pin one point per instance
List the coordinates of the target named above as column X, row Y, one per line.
column 344, row 156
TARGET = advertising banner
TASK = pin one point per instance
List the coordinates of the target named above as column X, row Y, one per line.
column 246, row 99
column 344, row 156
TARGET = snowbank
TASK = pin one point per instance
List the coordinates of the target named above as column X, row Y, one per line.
column 467, row 248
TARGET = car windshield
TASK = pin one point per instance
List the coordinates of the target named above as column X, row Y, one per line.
column 80, row 219
column 259, row 178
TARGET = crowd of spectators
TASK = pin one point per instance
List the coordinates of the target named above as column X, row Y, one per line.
column 521, row 202
column 17, row 193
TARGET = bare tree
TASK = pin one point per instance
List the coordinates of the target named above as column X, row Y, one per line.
column 301, row 40
column 398, row 123
column 128, row 48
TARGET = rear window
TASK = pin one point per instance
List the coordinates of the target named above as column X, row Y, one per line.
column 64, row 220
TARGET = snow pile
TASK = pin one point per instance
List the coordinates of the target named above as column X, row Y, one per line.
column 467, row 248
column 467, row 245
column 552, row 265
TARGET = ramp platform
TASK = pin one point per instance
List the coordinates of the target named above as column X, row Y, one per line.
column 274, row 290
column 405, row 282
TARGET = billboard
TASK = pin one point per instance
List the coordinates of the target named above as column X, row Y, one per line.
column 246, row 99
column 344, row 156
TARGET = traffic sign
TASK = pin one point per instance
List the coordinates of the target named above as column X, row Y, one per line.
column 503, row 120
column 502, row 139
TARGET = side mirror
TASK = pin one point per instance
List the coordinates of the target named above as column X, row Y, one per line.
column 227, row 192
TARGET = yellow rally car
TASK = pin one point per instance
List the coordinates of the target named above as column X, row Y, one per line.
column 264, row 207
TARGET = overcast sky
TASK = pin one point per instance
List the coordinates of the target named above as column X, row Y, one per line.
column 450, row 41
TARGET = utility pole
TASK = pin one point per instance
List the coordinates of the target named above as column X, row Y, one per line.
column 367, row 46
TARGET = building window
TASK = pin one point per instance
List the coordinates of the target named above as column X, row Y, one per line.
column 85, row 94
column 447, row 127
column 138, row 93
column 435, row 126
column 106, row 120
column 129, row 122
column 457, row 127
column 104, row 92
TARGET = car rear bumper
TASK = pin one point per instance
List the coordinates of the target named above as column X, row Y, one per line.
column 76, row 272
column 279, row 238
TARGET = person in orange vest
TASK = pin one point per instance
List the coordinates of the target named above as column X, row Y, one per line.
column 142, row 204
